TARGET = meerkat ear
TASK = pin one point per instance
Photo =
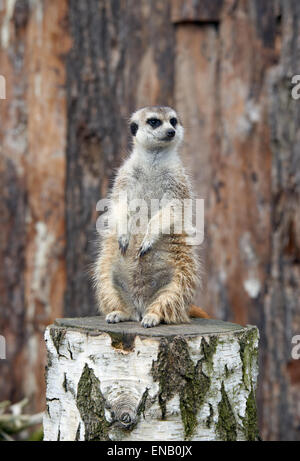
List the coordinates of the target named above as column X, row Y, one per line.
column 133, row 128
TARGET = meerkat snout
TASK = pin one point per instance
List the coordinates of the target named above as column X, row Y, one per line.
column 171, row 133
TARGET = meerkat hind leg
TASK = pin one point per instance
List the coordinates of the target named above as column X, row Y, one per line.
column 168, row 307
column 109, row 301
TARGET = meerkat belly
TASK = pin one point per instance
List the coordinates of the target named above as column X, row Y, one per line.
column 139, row 279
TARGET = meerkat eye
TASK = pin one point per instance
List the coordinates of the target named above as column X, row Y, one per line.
column 154, row 122
column 173, row 121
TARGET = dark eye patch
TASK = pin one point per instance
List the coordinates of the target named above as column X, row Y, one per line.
column 154, row 122
column 173, row 121
column 133, row 128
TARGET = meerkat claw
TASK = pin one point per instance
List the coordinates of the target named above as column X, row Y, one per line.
column 142, row 252
column 115, row 317
column 144, row 248
column 123, row 244
column 150, row 320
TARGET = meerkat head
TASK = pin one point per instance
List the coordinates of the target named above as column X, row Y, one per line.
column 156, row 128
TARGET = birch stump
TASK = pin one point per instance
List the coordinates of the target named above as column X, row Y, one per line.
column 172, row 382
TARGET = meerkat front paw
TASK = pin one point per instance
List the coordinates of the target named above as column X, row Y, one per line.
column 123, row 243
column 146, row 246
column 150, row 320
column 116, row 317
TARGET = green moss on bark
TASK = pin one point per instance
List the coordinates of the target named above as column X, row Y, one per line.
column 208, row 350
column 250, row 420
column 248, row 353
column 91, row 404
column 176, row 373
column 142, row 404
column 191, row 399
column 227, row 425
column 57, row 336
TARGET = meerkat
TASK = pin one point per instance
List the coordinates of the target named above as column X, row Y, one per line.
column 149, row 275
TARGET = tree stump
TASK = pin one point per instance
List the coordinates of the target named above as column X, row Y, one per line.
column 172, row 382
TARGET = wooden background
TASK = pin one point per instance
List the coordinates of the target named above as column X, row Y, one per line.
column 75, row 70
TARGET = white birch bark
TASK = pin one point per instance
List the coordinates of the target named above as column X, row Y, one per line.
column 171, row 383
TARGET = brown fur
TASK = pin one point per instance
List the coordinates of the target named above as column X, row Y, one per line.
column 157, row 285
column 198, row 312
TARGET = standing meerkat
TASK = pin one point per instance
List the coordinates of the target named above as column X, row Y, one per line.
column 148, row 274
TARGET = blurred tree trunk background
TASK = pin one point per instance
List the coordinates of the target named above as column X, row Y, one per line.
column 74, row 72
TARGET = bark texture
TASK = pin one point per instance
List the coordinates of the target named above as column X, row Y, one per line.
column 74, row 72
column 32, row 169
column 194, row 382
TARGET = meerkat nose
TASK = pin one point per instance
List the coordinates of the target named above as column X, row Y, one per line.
column 171, row 133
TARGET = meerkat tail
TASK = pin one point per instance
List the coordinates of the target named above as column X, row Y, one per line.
column 197, row 312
